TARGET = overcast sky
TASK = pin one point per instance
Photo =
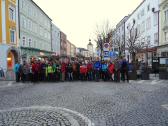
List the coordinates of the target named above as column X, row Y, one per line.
column 78, row 18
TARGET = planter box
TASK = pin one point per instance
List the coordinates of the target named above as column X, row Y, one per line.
column 163, row 75
column 145, row 76
column 132, row 75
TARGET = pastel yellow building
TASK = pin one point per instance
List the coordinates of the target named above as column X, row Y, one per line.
column 8, row 34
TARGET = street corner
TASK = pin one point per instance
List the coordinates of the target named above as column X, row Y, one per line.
column 43, row 115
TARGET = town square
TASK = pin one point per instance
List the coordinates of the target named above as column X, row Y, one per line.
column 84, row 63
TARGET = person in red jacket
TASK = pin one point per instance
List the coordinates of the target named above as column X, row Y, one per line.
column 34, row 71
column 90, row 71
column 111, row 70
column 83, row 71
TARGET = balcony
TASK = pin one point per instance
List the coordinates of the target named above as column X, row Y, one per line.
column 165, row 25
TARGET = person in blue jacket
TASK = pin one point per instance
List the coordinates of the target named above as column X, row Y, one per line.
column 104, row 70
column 97, row 69
column 17, row 69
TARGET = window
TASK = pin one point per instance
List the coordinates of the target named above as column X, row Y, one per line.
column 166, row 15
column 156, row 38
column 138, row 29
column 148, row 23
column 142, row 13
column 123, row 28
column 24, row 41
column 148, row 8
column 148, row 40
column 29, row 24
column 24, row 22
column 166, row 36
column 30, row 41
column 138, row 17
column 143, row 27
column 12, row 13
column 22, row 3
column 12, row 36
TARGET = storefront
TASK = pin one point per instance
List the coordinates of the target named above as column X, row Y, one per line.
column 9, row 56
column 29, row 53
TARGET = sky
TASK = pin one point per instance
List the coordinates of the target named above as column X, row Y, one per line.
column 79, row 19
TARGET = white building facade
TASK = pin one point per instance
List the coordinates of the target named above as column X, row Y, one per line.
column 118, row 36
column 163, row 45
column 35, row 30
column 55, row 39
column 145, row 21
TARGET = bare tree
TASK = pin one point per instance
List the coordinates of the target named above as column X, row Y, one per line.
column 133, row 43
column 118, row 43
column 103, row 35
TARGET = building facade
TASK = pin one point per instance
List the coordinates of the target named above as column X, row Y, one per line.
column 73, row 50
column 163, row 45
column 9, row 32
column 118, row 36
column 63, row 44
column 55, row 38
column 68, row 48
column 144, row 20
column 35, row 30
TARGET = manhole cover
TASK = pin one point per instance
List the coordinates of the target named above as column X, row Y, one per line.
column 42, row 116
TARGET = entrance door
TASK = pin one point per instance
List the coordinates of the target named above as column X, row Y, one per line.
column 10, row 61
column 12, row 58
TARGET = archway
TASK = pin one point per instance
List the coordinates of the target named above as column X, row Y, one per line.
column 12, row 58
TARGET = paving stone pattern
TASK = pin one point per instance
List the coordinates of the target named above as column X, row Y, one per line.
column 104, row 103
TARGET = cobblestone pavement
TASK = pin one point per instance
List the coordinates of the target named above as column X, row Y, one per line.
column 139, row 103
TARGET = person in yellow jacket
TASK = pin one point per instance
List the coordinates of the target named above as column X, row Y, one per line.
column 49, row 72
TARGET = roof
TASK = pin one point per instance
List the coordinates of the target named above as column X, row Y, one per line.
column 125, row 18
column 90, row 43
column 136, row 8
column 41, row 9
column 82, row 49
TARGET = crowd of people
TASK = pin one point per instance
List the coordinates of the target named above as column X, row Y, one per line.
column 56, row 71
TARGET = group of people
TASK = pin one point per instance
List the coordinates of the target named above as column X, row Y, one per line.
column 55, row 71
